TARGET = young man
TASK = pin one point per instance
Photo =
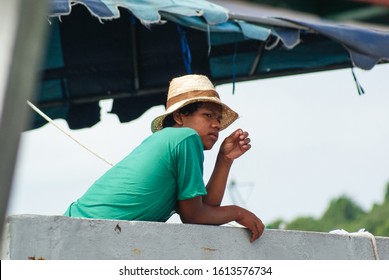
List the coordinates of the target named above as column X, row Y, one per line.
column 164, row 174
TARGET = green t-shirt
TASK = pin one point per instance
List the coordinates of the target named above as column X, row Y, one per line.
column 145, row 185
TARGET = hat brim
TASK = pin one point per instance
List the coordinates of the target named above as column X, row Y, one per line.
column 228, row 115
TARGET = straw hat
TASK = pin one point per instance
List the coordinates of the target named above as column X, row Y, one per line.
column 189, row 89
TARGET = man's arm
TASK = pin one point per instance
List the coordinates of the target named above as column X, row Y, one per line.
column 217, row 182
column 232, row 147
column 194, row 211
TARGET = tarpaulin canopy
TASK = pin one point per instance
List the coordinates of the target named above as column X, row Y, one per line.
column 129, row 50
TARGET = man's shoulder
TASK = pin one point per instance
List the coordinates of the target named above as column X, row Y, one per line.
column 180, row 132
column 174, row 136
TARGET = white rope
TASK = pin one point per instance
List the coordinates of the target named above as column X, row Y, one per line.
column 362, row 233
column 47, row 118
column 372, row 239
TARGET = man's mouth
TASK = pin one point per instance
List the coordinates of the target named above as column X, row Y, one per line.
column 214, row 136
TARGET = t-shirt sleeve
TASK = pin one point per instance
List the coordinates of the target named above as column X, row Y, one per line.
column 189, row 158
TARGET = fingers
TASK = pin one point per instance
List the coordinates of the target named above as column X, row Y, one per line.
column 257, row 231
column 254, row 236
column 244, row 140
column 252, row 223
column 236, row 134
column 245, row 143
column 240, row 135
column 261, row 229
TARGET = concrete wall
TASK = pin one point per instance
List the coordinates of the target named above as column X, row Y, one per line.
column 58, row 237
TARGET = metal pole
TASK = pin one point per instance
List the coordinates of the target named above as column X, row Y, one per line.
column 23, row 26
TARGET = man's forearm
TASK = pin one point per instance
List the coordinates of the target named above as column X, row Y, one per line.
column 217, row 183
column 211, row 215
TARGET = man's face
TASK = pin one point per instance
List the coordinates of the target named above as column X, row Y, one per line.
column 206, row 121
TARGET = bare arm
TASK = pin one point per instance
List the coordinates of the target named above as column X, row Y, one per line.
column 217, row 183
column 232, row 147
column 194, row 211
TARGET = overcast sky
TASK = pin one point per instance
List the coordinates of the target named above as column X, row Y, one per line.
column 313, row 139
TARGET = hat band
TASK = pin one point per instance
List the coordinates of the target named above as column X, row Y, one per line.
column 190, row 95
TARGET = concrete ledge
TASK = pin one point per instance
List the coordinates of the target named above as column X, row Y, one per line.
column 64, row 238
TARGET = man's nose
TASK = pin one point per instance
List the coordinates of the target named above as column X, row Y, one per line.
column 216, row 123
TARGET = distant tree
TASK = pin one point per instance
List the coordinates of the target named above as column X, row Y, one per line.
column 386, row 198
column 376, row 221
column 342, row 210
column 277, row 224
column 304, row 223
column 344, row 213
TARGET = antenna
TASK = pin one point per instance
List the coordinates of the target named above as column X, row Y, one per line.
column 234, row 190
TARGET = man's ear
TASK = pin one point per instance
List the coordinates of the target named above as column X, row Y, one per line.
column 177, row 118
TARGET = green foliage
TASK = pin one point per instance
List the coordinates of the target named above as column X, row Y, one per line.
column 277, row 224
column 386, row 199
column 342, row 210
column 377, row 222
column 304, row 223
column 344, row 213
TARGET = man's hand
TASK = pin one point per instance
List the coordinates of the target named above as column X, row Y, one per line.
column 251, row 222
column 236, row 144
column 194, row 211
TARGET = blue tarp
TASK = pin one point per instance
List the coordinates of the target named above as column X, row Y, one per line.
column 128, row 50
column 208, row 17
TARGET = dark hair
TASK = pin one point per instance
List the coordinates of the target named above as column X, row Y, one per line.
column 186, row 110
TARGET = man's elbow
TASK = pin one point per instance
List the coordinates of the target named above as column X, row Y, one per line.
column 190, row 218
